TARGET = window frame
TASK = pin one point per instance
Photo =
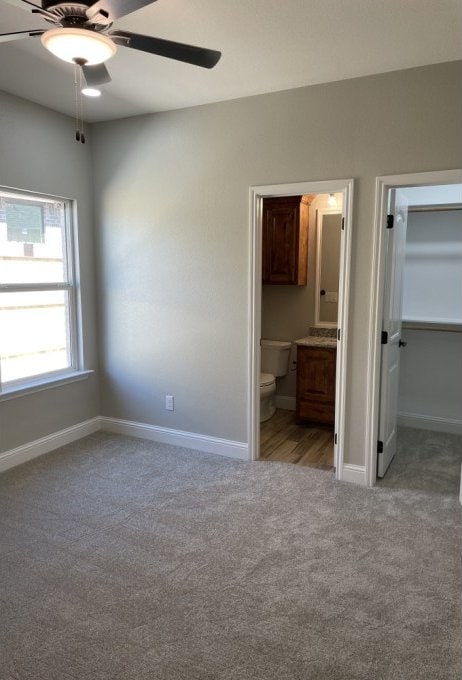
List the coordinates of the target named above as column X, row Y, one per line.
column 69, row 286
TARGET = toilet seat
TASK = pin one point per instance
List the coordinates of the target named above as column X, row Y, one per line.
column 266, row 379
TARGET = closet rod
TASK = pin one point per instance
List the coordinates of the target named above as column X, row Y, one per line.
column 435, row 208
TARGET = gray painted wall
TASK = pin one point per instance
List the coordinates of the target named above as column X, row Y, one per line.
column 38, row 152
column 173, row 216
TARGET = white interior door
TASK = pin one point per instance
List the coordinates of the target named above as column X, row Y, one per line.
column 391, row 331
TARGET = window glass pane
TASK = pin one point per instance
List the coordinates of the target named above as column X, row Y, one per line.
column 32, row 240
column 34, row 333
column 24, row 221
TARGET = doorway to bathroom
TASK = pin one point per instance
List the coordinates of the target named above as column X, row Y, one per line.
column 415, row 434
column 299, row 310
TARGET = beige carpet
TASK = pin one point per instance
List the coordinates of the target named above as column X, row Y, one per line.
column 122, row 559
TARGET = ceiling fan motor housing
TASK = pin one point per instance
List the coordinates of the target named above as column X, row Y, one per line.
column 52, row 4
column 74, row 15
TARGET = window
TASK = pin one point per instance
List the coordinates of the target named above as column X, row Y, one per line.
column 38, row 337
column 24, row 221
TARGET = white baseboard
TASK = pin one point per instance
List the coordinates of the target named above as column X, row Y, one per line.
column 287, row 403
column 436, row 424
column 26, row 452
column 356, row 474
column 190, row 440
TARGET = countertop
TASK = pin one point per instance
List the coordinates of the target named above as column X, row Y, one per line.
column 319, row 337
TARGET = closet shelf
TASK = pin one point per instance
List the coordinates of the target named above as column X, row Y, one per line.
column 432, row 325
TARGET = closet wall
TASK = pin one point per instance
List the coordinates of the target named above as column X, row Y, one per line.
column 431, row 364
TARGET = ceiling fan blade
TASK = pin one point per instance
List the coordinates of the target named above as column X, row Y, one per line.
column 110, row 10
column 95, row 75
column 23, row 4
column 19, row 35
column 199, row 56
column 36, row 9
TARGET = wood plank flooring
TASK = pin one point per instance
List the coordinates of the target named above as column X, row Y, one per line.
column 283, row 440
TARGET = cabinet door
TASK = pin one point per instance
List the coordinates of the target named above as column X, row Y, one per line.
column 280, row 241
column 316, row 384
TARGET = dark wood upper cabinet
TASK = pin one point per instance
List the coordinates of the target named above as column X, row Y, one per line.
column 285, row 240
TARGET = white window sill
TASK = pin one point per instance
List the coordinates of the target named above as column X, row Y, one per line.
column 44, row 384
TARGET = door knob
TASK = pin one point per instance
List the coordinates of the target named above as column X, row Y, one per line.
column 322, row 292
column 402, row 344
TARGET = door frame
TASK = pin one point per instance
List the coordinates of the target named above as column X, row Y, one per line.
column 383, row 186
column 256, row 195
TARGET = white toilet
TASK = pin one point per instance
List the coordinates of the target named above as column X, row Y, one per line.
column 274, row 364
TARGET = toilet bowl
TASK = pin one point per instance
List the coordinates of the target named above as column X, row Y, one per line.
column 267, row 396
column 274, row 364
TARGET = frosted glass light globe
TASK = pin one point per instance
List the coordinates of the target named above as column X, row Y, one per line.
column 70, row 44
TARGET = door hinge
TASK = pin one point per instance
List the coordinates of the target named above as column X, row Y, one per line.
column 338, row 334
column 384, row 338
column 390, row 221
column 379, row 447
column 343, row 223
column 335, row 438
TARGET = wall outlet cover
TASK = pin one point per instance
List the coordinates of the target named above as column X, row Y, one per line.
column 331, row 297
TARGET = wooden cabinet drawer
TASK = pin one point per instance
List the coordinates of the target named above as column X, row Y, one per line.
column 316, row 412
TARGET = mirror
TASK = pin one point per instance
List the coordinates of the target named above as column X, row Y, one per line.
column 328, row 236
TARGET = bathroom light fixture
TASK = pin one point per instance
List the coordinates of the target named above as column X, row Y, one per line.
column 91, row 92
column 79, row 45
column 332, row 201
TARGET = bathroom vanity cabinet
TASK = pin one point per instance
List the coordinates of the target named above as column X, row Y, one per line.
column 285, row 240
column 315, row 400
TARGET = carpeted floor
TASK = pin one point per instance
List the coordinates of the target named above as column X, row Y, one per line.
column 123, row 559
column 425, row 461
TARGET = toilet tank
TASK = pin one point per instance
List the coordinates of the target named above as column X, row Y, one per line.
column 275, row 357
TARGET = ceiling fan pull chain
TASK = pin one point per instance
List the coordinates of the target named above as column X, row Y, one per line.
column 76, row 105
column 82, row 132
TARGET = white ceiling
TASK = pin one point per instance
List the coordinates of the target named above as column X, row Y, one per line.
column 267, row 45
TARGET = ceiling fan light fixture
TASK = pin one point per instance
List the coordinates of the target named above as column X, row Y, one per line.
column 91, row 92
column 71, row 44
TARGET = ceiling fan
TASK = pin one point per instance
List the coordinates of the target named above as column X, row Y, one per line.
column 83, row 35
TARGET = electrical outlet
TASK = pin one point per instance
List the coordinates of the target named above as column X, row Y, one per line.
column 169, row 402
